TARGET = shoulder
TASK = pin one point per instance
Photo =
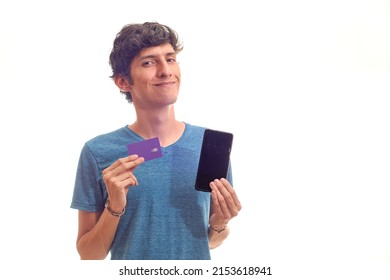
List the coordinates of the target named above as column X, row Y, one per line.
column 109, row 146
column 106, row 138
column 109, row 136
column 194, row 129
column 193, row 133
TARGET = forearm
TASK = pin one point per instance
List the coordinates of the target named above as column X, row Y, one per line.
column 96, row 244
column 215, row 238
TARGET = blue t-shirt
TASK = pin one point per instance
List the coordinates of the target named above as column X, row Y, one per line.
column 165, row 218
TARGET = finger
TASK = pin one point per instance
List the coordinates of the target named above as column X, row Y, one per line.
column 216, row 210
column 232, row 192
column 126, row 163
column 228, row 192
column 115, row 176
column 122, row 185
column 119, row 182
column 129, row 182
column 126, row 177
column 223, row 189
column 221, row 201
column 123, row 165
column 228, row 204
column 121, row 161
column 214, row 198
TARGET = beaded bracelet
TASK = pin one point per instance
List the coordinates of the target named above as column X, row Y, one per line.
column 107, row 205
column 219, row 230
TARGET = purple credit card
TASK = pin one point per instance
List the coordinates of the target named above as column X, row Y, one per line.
column 148, row 149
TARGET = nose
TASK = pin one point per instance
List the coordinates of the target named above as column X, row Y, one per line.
column 164, row 70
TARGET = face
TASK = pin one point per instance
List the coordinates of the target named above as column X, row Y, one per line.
column 155, row 76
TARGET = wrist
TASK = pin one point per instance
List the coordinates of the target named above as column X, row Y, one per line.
column 112, row 211
column 218, row 228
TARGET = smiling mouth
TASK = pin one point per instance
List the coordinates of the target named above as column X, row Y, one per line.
column 165, row 84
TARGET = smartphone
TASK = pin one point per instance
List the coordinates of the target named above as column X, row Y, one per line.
column 214, row 158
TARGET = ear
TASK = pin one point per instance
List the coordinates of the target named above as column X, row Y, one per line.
column 122, row 83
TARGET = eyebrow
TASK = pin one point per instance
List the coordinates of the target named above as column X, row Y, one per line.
column 153, row 55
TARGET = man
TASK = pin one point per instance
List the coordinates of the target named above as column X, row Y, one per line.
column 149, row 210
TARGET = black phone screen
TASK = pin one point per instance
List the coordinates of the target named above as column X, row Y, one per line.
column 214, row 158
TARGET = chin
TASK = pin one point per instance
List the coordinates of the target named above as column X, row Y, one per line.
column 172, row 98
column 171, row 101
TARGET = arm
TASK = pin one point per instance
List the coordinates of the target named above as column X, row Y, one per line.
column 97, row 229
column 96, row 233
column 224, row 206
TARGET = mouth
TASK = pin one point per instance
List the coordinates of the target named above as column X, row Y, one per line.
column 165, row 84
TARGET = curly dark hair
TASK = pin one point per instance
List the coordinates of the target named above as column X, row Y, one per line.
column 132, row 39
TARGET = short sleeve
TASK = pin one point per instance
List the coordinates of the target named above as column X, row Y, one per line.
column 89, row 189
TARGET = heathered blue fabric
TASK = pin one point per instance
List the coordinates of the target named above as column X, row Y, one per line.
column 165, row 218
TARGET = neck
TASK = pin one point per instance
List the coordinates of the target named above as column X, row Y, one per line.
column 161, row 124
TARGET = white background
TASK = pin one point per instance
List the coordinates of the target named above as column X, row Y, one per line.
column 303, row 85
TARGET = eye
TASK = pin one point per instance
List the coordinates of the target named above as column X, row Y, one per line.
column 148, row 63
column 171, row 60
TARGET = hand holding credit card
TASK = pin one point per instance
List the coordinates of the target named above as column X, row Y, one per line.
column 148, row 149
